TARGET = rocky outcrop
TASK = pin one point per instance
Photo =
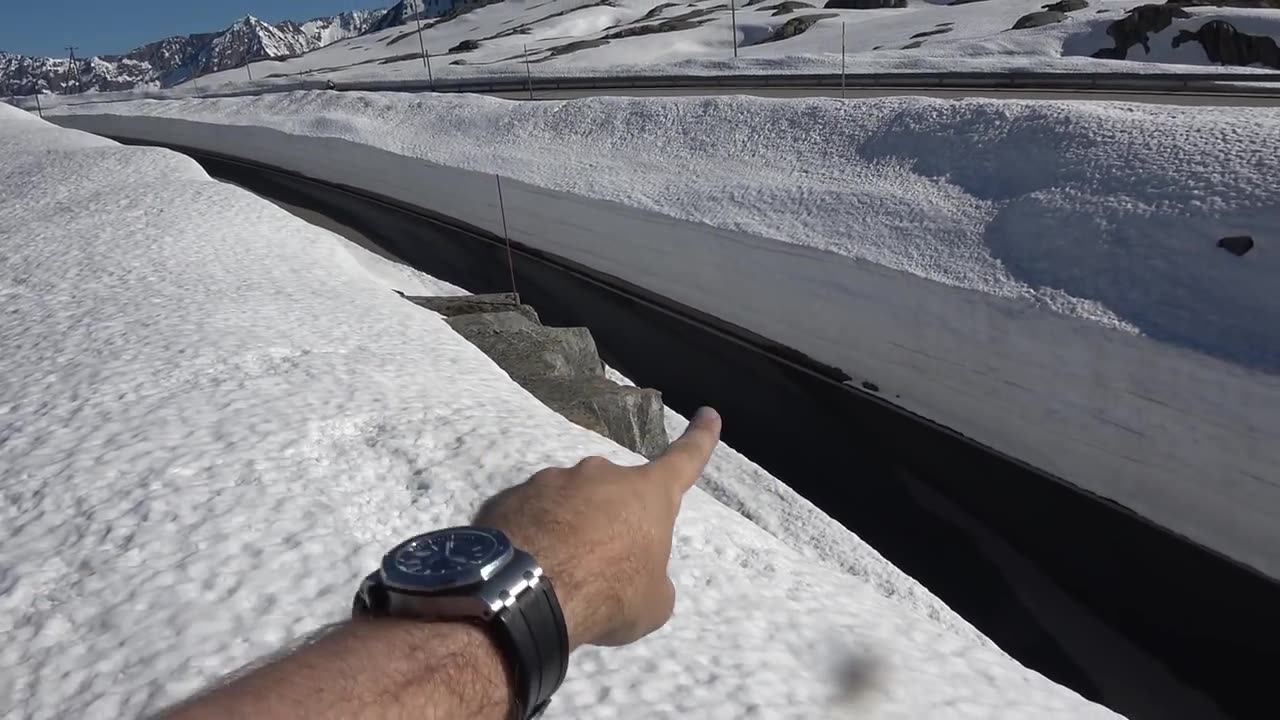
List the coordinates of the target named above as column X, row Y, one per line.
column 864, row 4
column 1263, row 4
column 1236, row 244
column 1038, row 19
column 559, row 366
column 935, row 31
column 1136, row 27
column 784, row 8
column 465, row 46
column 795, row 26
column 1225, row 45
column 1066, row 6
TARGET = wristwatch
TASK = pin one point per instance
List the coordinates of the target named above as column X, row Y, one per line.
column 475, row 574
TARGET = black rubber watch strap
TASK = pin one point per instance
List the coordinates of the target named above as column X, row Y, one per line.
column 536, row 642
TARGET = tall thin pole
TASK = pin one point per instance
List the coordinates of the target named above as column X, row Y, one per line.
column 528, row 74
column 248, row 69
column 842, row 61
column 421, row 45
column 511, row 265
column 430, row 77
column 733, row 16
column 39, row 109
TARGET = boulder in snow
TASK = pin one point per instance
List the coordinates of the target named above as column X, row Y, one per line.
column 1236, row 244
column 1225, row 45
column 455, row 305
column 1135, row 28
column 1037, row 19
column 1065, row 6
column 864, row 4
column 465, row 46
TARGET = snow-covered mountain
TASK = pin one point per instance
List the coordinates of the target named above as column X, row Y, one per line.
column 174, row 59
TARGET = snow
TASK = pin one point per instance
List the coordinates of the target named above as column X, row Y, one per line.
column 216, row 416
column 1040, row 276
column 979, row 40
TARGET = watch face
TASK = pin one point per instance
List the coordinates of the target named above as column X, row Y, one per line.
column 446, row 559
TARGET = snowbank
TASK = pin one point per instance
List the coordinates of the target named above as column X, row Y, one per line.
column 1042, row 277
column 216, row 416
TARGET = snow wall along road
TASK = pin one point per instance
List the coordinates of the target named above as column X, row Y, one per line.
column 1176, row 436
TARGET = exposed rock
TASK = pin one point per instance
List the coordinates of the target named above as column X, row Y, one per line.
column 1263, row 4
column 455, row 305
column 1039, row 19
column 795, row 26
column 559, row 366
column 459, row 61
column 630, row 416
column 574, row 46
column 868, row 385
column 786, row 7
column 1065, row 6
column 964, row 2
column 1135, row 28
column 1236, row 244
column 658, row 10
column 1225, row 45
column 526, row 350
column 465, row 46
column 913, row 45
column 864, row 4
column 927, row 33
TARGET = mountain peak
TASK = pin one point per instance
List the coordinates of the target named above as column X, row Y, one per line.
column 176, row 59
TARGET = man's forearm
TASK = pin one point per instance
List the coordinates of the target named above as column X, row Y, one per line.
column 372, row 669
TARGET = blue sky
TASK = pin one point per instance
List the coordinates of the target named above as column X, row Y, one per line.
column 105, row 27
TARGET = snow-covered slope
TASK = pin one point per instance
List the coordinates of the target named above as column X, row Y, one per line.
column 589, row 37
column 216, row 417
column 1043, row 277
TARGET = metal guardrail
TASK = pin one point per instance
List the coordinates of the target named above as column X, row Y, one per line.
column 1205, row 83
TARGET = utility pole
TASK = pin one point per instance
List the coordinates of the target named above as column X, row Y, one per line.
column 841, row 60
column 71, row 65
column 426, row 57
column 39, row 109
column 733, row 17
column 528, row 74
column 247, row 69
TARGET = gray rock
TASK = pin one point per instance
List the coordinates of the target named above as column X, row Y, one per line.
column 795, row 26
column 864, row 4
column 913, row 45
column 1135, row 28
column 459, row 61
column 936, row 31
column 1236, row 244
column 465, row 46
column 527, row 351
column 1225, row 45
column 1038, row 19
column 454, row 305
column 1065, row 6
column 630, row 416
column 786, row 7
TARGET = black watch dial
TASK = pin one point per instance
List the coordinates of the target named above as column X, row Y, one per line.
column 446, row 559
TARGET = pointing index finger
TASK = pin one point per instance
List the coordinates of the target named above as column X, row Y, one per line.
column 685, row 458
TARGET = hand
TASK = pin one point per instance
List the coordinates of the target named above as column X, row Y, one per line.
column 602, row 533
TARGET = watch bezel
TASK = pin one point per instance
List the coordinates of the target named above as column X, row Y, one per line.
column 401, row 581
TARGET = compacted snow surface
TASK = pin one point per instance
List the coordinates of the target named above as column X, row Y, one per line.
column 215, row 417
